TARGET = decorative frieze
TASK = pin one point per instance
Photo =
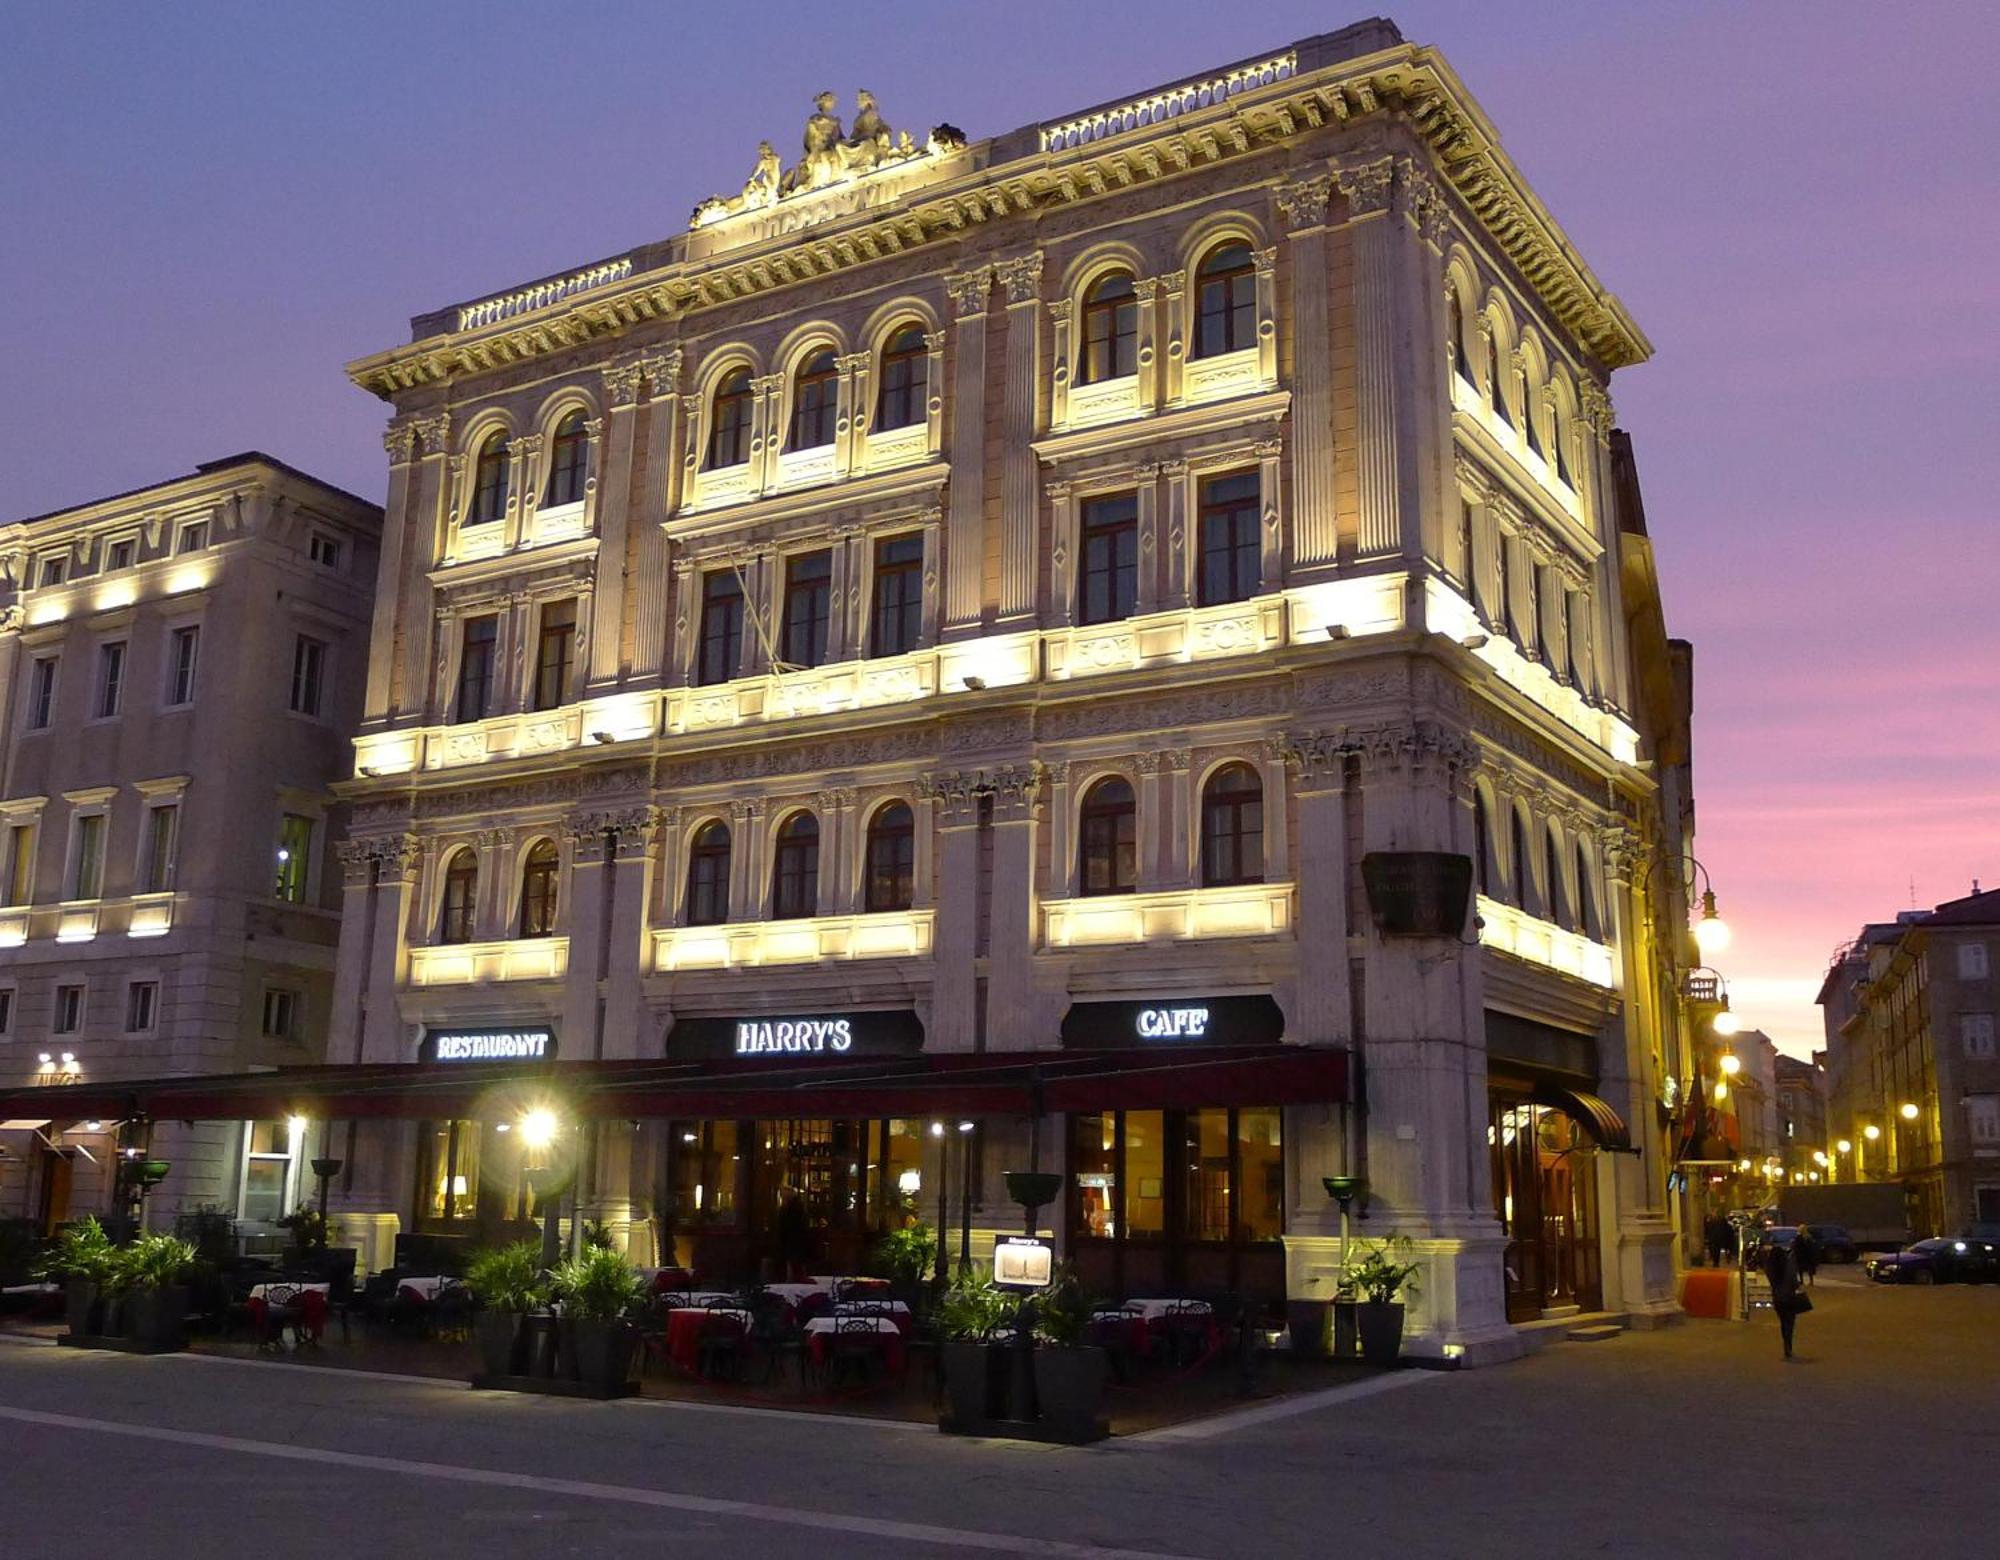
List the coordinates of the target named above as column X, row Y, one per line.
column 968, row 290
column 1021, row 276
column 1302, row 202
column 1368, row 186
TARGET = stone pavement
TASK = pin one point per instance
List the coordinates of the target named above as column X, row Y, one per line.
column 1693, row 1440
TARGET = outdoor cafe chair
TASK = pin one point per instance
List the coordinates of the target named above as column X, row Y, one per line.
column 775, row 1337
column 1185, row 1331
column 856, row 1345
column 719, row 1350
column 283, row 1306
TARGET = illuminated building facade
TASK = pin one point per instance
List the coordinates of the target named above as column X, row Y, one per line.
column 181, row 673
column 999, row 598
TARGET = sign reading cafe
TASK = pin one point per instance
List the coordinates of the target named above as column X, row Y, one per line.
column 1234, row 1020
column 521, row 1043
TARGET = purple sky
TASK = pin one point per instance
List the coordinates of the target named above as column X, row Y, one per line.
column 209, row 208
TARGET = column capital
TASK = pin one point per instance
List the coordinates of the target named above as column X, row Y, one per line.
column 1302, row 201
column 1367, row 186
column 434, row 432
column 1021, row 276
column 400, row 440
column 968, row 290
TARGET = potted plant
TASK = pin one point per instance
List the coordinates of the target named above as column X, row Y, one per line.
column 1379, row 1278
column 308, row 1229
column 83, row 1258
column 152, row 1272
column 968, row 1316
column 1069, row 1371
column 595, row 1289
column 904, row 1256
column 507, row 1282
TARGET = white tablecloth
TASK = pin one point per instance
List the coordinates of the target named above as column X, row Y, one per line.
column 827, row 1324
column 792, row 1294
column 871, row 1307
column 262, row 1291
column 1153, row 1310
column 427, row 1286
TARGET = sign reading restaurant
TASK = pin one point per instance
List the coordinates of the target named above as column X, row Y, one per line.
column 802, row 1036
column 1189, row 1020
column 518, row 1043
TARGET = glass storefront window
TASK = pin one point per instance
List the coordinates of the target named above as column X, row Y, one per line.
column 1207, row 1162
column 705, row 1160
column 450, row 1169
column 267, row 1170
column 1094, row 1156
column 1209, row 1176
column 902, row 1175
column 1145, row 1172
column 1260, row 1175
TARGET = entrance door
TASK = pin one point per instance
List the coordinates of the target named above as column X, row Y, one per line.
column 805, row 1196
column 1545, row 1192
column 54, row 1208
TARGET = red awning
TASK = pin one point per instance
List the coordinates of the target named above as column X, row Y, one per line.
column 976, row 1084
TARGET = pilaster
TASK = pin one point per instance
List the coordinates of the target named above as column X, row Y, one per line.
column 1302, row 203
column 1022, row 278
column 1380, row 335
column 955, row 807
column 965, row 535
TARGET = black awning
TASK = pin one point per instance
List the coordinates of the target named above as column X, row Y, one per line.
column 1596, row 1116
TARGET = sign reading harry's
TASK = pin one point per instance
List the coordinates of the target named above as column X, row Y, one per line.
column 526, row 1043
column 804, row 1036
column 762, row 1036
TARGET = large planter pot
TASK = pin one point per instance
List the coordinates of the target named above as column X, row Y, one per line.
column 1306, row 1321
column 1380, row 1323
column 156, row 1319
column 973, row 1386
column 1346, row 1332
column 498, row 1334
column 600, row 1353
column 83, row 1307
column 1069, row 1386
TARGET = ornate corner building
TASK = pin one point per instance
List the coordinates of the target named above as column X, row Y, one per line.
column 983, row 652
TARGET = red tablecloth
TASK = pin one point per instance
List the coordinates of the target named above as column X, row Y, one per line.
column 684, row 1330
column 312, row 1313
column 891, row 1344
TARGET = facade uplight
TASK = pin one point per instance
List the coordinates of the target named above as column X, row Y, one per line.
column 1871, row 1132
column 1907, row 1111
column 538, row 1128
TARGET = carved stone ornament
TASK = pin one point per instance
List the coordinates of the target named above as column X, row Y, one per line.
column 621, row 382
column 1368, row 186
column 399, row 439
column 1021, row 276
column 434, row 431
column 968, row 290
column 830, row 156
column 1302, row 202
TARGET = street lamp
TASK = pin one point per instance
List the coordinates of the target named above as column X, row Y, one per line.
column 1907, row 1111
column 1732, row 1064
column 1844, row 1146
column 1726, row 1024
column 538, row 1132
column 1871, row 1132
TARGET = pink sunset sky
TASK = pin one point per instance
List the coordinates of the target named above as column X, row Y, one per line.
column 211, row 207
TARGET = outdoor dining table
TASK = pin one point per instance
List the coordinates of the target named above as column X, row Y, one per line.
column 890, row 1310
column 684, row 1329
column 820, row 1332
column 425, row 1288
column 312, row 1300
column 794, row 1294
column 1139, row 1315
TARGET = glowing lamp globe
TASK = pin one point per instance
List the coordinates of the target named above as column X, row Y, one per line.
column 1726, row 1023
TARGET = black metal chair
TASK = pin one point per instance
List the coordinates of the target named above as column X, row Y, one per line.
column 856, row 1347
column 720, row 1347
column 450, row 1313
column 1184, row 1329
column 775, row 1337
column 1116, row 1333
column 283, row 1307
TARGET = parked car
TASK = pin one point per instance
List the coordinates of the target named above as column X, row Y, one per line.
column 1833, row 1242
column 1941, row 1259
column 1761, row 1241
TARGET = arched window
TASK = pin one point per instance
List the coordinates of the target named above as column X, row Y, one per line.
column 1556, row 902
column 1225, row 301
column 1496, row 378
column 489, row 481
column 708, row 875
column 1110, row 348
column 1586, row 901
column 569, row 453
column 1524, row 867
column 1455, row 315
column 1108, row 839
column 1531, row 415
column 1559, row 436
column 1482, row 846
column 815, row 400
column 538, row 891
column 795, row 872
column 892, row 855
column 729, row 421
column 1232, row 827
column 461, row 896
column 905, row 395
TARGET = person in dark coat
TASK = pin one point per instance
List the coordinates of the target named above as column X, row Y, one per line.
column 1808, row 1253
column 1788, row 1296
column 1721, row 1240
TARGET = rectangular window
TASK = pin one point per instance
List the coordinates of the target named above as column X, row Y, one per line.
column 1145, row 1173
column 281, row 1010
column 1205, row 1164
column 110, row 678
column 163, row 827
column 448, row 1170
column 721, row 626
column 20, row 883
column 704, row 1172
column 308, row 674
column 1975, row 1030
column 1108, row 545
column 1232, row 566
column 181, row 653
column 324, row 550
column 267, row 1169
column 898, row 615
column 1972, row 961
column 86, row 872
column 7, row 1010
column 295, row 834
column 1982, row 1112
column 42, row 692
column 475, row 667
column 1260, row 1175
column 808, row 608
column 69, row 1010
column 193, row 537
column 54, row 570
column 555, row 653
column 142, row 997
column 121, row 555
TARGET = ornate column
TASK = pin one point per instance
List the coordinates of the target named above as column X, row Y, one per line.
column 1152, row 820
column 1315, row 523
column 1266, row 263
column 1183, row 547
column 585, row 914
column 1611, row 666
column 1147, row 291
column 1426, row 230
column 1173, row 296
column 965, row 534
column 400, row 440
column 1020, row 514
column 850, row 429
column 933, row 529
column 923, row 866
column 839, row 862
column 1320, row 868
column 357, row 859
column 1150, row 548
column 1062, row 552
column 1060, row 370
column 1015, row 910
column 1061, row 882
column 1271, row 560
column 496, row 888
column 760, row 596
column 843, row 587
column 746, row 859
column 520, row 474
column 1177, row 867
column 398, row 862
column 933, row 394
column 687, row 605
column 954, row 943
column 1379, row 340
column 442, row 480
column 633, row 834
column 767, row 430
column 1276, row 776
column 649, row 549
column 609, row 501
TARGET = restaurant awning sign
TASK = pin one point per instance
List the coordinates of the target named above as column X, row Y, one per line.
column 826, row 1036
column 1171, row 1020
column 493, row 1043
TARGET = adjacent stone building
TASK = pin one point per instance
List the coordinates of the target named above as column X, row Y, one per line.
column 181, row 673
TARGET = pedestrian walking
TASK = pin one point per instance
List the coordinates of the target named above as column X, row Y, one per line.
column 1720, row 1239
column 1789, row 1300
column 1808, row 1254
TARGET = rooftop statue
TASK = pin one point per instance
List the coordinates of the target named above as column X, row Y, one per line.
column 830, row 156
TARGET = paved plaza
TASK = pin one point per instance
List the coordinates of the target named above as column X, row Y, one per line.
column 1886, row 1428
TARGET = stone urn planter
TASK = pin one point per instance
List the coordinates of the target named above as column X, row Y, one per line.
column 600, row 1352
column 498, row 1335
column 974, row 1380
column 156, row 1318
column 1069, row 1388
column 1380, row 1325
